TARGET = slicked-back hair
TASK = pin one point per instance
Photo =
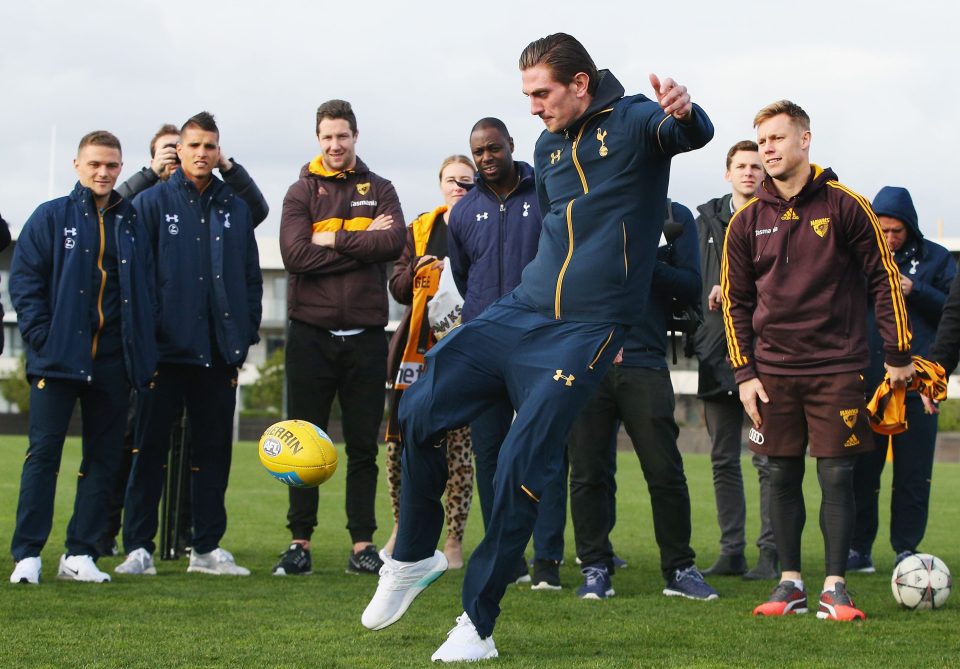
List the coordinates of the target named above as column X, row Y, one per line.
column 165, row 129
column 204, row 120
column 337, row 109
column 745, row 145
column 791, row 109
column 491, row 122
column 100, row 138
column 458, row 158
column 565, row 57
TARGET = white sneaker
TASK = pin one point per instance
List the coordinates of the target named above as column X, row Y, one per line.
column 81, row 568
column 26, row 570
column 400, row 583
column 463, row 644
column 217, row 562
column 138, row 561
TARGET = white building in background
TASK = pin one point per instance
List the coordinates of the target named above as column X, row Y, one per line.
column 274, row 320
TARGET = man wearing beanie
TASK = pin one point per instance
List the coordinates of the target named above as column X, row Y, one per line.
column 926, row 271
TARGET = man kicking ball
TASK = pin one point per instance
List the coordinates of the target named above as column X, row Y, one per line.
column 602, row 168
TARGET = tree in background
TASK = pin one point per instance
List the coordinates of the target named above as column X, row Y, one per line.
column 265, row 397
column 15, row 388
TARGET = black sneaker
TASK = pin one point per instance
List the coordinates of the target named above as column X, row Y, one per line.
column 367, row 561
column 295, row 561
column 546, row 575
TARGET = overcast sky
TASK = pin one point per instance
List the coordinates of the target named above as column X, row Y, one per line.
column 880, row 84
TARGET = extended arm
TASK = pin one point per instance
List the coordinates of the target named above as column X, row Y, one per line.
column 739, row 299
column 401, row 281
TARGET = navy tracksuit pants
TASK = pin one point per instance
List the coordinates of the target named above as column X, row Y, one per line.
column 549, row 369
column 210, row 397
column 913, row 453
column 487, row 433
column 103, row 407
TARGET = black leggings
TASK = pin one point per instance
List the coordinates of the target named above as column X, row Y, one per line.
column 837, row 511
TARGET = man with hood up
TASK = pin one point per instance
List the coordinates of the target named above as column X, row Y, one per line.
column 926, row 271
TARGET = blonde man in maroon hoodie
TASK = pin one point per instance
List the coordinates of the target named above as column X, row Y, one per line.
column 799, row 260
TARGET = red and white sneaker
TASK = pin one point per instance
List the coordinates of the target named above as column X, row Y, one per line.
column 785, row 599
column 836, row 605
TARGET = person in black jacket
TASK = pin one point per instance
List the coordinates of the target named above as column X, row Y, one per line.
column 722, row 409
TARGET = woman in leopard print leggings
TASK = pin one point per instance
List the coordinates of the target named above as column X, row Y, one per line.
column 422, row 256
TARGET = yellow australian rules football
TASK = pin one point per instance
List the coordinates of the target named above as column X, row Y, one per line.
column 298, row 453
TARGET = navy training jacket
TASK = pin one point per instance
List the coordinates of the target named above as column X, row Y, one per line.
column 490, row 241
column 928, row 265
column 176, row 215
column 55, row 284
column 602, row 183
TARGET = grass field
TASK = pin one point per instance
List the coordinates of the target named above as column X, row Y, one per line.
column 189, row 620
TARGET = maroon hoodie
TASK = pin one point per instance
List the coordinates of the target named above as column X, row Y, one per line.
column 344, row 287
column 795, row 278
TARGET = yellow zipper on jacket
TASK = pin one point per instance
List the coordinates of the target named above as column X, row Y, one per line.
column 103, row 278
column 586, row 189
column 103, row 283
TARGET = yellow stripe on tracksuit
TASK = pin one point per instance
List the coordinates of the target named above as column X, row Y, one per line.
column 334, row 224
column 737, row 359
column 893, row 272
column 586, row 189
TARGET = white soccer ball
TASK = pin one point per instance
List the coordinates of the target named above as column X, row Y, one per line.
column 921, row 581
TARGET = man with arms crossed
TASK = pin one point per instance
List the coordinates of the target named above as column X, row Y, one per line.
column 722, row 409
column 602, row 168
column 799, row 259
column 341, row 224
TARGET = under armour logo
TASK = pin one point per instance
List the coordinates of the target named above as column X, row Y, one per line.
column 555, row 156
column 226, row 220
column 173, row 229
column 526, row 209
column 172, row 218
column 72, row 232
column 913, row 265
column 482, row 217
column 756, row 437
column 559, row 375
